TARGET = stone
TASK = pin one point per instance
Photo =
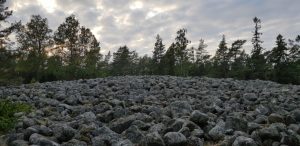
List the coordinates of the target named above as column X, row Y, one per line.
column 275, row 118
column 175, row 139
column 152, row 139
column 105, row 137
column 250, row 96
column 37, row 139
column 237, row 124
column 269, row 133
column 218, row 132
column 179, row 108
column 19, row 143
column 74, row 142
column 133, row 134
column 63, row 133
column 244, row 141
column 199, row 118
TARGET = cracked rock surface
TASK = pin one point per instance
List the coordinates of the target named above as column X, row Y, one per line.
column 156, row 111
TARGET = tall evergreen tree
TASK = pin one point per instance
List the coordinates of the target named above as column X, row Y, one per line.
column 158, row 53
column 221, row 65
column 121, row 61
column 257, row 62
column 169, row 60
column 278, row 57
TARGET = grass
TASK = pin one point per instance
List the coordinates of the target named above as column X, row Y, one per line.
column 7, row 111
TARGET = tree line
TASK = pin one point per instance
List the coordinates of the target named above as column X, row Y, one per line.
column 72, row 51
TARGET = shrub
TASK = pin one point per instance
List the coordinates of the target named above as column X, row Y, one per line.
column 7, row 111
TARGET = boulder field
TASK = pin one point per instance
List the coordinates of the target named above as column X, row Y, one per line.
column 156, row 111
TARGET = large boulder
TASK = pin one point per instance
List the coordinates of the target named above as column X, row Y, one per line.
column 153, row 139
column 175, row 139
column 244, row 141
column 36, row 139
column 199, row 118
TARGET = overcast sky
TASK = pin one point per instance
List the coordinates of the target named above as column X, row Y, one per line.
column 136, row 22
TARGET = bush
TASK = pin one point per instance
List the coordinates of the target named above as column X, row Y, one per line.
column 7, row 111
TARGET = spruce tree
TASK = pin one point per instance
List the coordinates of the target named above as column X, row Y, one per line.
column 158, row 53
column 257, row 62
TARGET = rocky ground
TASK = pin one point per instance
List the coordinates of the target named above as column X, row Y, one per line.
column 157, row 111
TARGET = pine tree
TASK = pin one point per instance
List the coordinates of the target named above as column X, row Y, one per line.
column 158, row 53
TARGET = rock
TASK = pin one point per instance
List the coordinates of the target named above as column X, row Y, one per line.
column 269, row 133
column 63, row 133
column 250, row 96
column 217, row 132
column 88, row 116
column 37, row 139
column 244, row 141
column 275, row 118
column 195, row 141
column 28, row 132
column 74, row 142
column 199, row 118
column 121, row 124
column 262, row 110
column 125, row 142
column 133, row 134
column 175, row 139
column 19, row 143
column 152, row 139
column 105, row 137
column 179, row 108
column 237, row 124
column 296, row 115
column 28, row 123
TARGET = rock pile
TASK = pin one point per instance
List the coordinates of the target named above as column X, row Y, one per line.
column 156, row 111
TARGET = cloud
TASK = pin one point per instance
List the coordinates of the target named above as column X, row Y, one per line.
column 135, row 23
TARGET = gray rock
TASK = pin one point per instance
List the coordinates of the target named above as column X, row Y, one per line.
column 250, row 96
column 275, row 118
column 269, row 133
column 153, row 139
column 63, row 133
column 195, row 141
column 19, row 143
column 244, row 141
column 179, row 108
column 125, row 142
column 175, row 139
column 237, row 124
column 37, row 139
column 105, row 137
column 217, row 132
column 199, row 118
column 133, row 134
column 74, row 142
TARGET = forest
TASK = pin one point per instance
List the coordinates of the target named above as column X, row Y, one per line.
column 39, row 54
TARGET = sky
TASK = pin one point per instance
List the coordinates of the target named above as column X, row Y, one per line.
column 135, row 23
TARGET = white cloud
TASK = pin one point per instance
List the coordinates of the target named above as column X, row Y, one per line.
column 136, row 22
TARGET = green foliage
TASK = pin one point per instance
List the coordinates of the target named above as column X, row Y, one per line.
column 7, row 111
